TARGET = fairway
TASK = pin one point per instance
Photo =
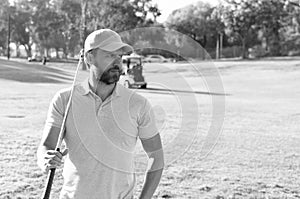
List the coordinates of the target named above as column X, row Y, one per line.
column 257, row 154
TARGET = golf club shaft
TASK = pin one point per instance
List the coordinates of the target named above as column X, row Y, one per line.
column 51, row 174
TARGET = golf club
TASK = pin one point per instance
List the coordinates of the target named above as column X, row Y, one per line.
column 51, row 174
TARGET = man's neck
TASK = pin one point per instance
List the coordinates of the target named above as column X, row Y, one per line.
column 101, row 89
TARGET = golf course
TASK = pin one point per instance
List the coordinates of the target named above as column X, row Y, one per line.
column 254, row 154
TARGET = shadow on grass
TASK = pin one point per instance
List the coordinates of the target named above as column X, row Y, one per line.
column 32, row 73
column 172, row 91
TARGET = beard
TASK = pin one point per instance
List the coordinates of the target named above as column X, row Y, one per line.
column 111, row 75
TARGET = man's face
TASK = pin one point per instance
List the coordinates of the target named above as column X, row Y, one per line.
column 109, row 66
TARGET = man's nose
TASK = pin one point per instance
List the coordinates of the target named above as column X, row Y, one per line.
column 118, row 59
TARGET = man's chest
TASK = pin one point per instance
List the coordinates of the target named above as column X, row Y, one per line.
column 111, row 121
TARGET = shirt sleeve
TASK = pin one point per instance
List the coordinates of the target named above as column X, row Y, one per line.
column 56, row 111
column 147, row 126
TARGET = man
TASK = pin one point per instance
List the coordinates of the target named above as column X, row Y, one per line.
column 102, row 128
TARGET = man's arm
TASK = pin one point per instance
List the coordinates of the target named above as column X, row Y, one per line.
column 47, row 157
column 154, row 150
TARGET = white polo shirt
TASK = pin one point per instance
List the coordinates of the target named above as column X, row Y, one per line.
column 101, row 137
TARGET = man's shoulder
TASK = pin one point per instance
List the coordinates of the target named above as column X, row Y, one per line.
column 62, row 94
column 131, row 93
column 132, row 96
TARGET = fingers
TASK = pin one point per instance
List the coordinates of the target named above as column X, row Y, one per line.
column 65, row 152
column 53, row 159
column 53, row 156
column 54, row 153
column 47, row 167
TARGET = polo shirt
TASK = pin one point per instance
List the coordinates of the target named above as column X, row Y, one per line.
column 101, row 137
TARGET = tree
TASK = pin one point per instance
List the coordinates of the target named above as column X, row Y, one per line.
column 240, row 20
column 217, row 28
column 153, row 9
column 193, row 20
column 41, row 20
column 290, row 33
column 57, row 41
column 3, row 24
column 271, row 16
column 257, row 21
column 118, row 15
column 72, row 11
column 64, row 24
column 123, row 16
column 144, row 7
column 20, row 30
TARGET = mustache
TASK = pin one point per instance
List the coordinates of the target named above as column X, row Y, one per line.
column 115, row 67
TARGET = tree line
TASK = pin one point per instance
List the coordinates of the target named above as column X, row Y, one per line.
column 272, row 27
column 64, row 24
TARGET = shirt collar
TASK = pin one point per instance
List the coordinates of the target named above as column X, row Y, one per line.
column 85, row 88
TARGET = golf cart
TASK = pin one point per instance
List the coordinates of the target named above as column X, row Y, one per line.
column 132, row 75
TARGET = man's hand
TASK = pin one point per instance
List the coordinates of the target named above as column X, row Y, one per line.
column 52, row 159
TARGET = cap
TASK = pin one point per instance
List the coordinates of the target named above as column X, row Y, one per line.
column 107, row 40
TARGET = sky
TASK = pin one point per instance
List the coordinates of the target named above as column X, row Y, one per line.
column 167, row 6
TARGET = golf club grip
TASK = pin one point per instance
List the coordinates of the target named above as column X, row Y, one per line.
column 50, row 178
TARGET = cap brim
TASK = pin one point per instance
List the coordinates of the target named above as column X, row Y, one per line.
column 113, row 46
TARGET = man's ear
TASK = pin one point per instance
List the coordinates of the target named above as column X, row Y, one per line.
column 90, row 58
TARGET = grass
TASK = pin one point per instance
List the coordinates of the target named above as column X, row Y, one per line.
column 257, row 155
